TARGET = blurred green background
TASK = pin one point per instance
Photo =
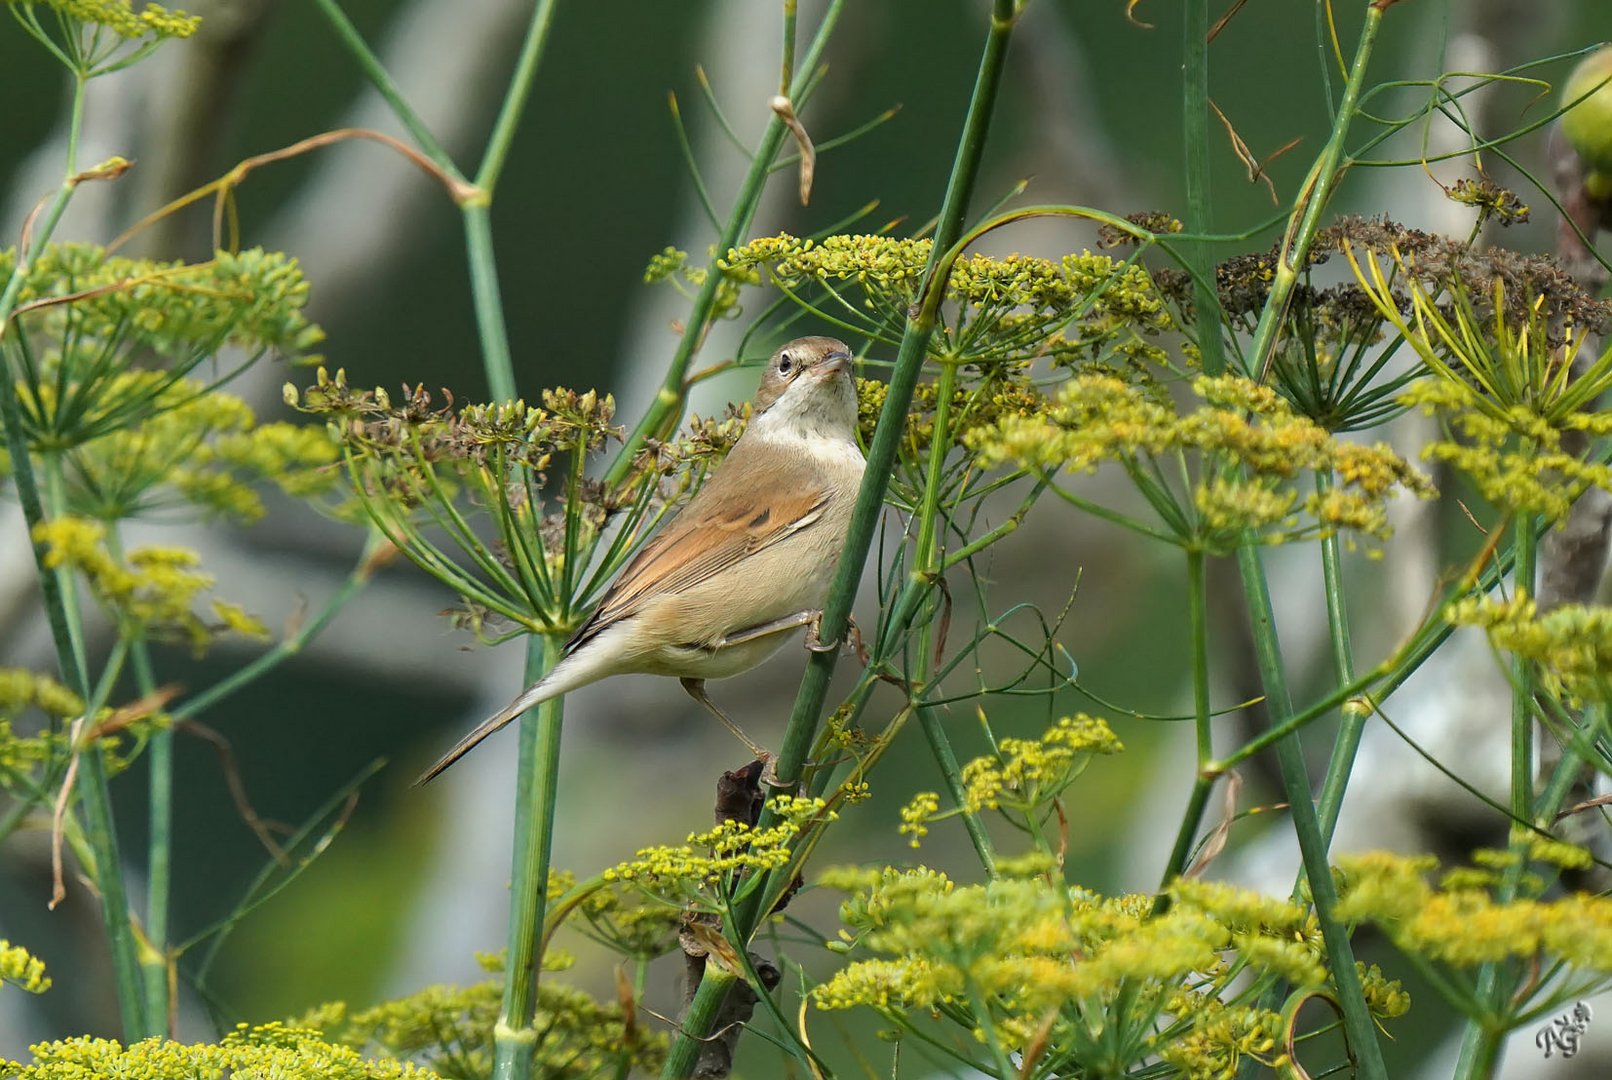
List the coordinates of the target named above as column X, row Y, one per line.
column 595, row 186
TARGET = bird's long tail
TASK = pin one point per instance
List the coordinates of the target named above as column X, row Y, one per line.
column 536, row 694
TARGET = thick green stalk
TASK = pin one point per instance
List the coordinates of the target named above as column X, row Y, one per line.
column 1357, row 1020
column 1323, row 177
column 1195, row 132
column 892, row 417
column 1202, row 718
column 713, row 989
column 102, row 836
column 488, row 303
column 664, row 411
column 515, row 1036
column 1352, row 723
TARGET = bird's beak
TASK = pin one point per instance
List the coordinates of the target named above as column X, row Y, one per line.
column 834, row 363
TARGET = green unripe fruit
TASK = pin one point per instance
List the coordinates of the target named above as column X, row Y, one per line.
column 1588, row 125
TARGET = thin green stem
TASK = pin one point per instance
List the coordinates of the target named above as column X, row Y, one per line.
column 159, row 843
column 1352, row 723
column 381, row 79
column 1484, row 1034
column 515, row 1035
column 1195, row 131
column 520, row 88
column 664, row 412
column 292, row 644
column 926, row 563
column 1202, row 718
column 1526, row 548
column 1306, row 825
column 1306, row 219
column 159, row 854
column 813, row 691
column 786, row 70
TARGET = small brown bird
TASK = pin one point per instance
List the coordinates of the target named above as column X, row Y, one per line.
column 746, row 562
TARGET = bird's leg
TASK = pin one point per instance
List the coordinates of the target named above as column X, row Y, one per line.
column 766, row 629
column 769, row 772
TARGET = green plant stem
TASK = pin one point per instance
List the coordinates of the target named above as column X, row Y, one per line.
column 1202, row 719
column 1357, row 1020
column 1484, row 1033
column 927, row 571
column 381, row 79
column 159, row 844
column 488, row 302
column 293, row 643
column 102, row 836
column 708, row 997
column 1195, row 133
column 664, row 412
column 62, row 617
column 99, row 827
column 520, row 89
column 1383, row 680
column 1352, row 722
column 1526, row 549
column 1318, row 186
column 159, row 855
column 515, row 1035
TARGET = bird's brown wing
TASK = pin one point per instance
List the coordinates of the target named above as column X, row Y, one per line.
column 710, row 534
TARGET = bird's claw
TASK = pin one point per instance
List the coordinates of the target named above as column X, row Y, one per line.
column 814, row 636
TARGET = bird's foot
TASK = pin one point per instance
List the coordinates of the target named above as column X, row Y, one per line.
column 815, row 642
column 814, row 636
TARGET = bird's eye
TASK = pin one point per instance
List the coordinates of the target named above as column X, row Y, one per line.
column 786, row 363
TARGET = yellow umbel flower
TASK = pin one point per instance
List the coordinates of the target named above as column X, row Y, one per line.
column 22, row 969
column 1250, row 449
column 153, row 591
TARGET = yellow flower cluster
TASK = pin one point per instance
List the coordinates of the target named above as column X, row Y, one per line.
column 1250, row 447
column 1515, row 457
column 120, row 17
column 1025, row 775
column 265, row 1050
column 1003, row 391
column 154, row 589
column 450, row 1028
column 253, row 299
column 1020, row 954
column 22, row 969
column 1462, row 921
column 21, row 689
column 1013, row 307
column 1570, row 644
column 1028, row 773
column 684, row 871
column 171, row 443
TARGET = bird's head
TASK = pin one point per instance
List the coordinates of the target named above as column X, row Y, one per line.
column 807, row 387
